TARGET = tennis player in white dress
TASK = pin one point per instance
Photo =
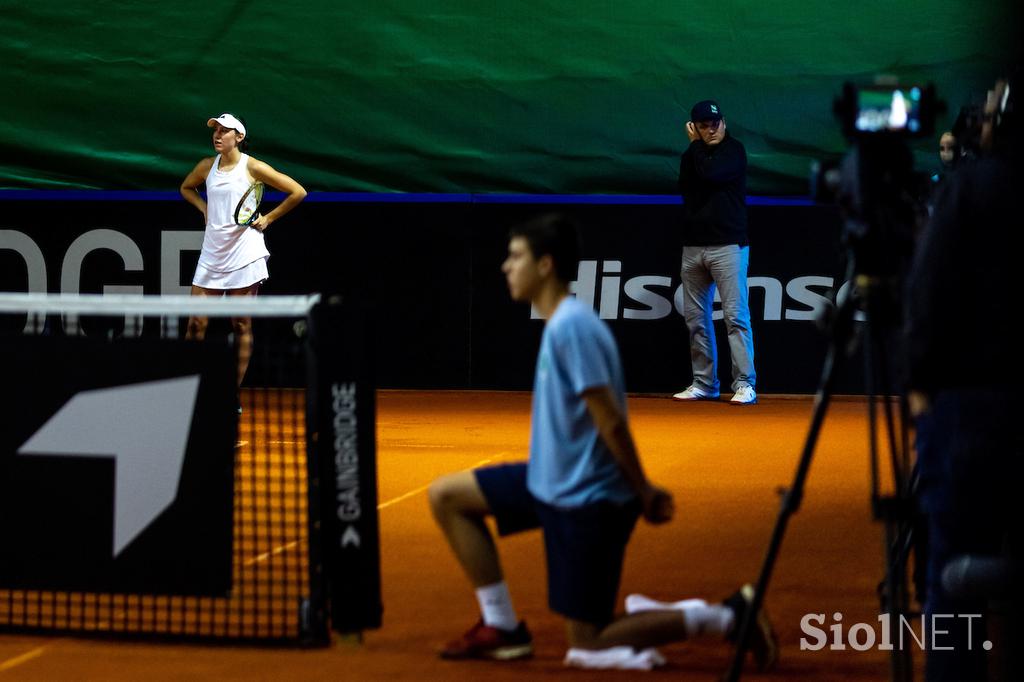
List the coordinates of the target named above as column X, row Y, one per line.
column 234, row 257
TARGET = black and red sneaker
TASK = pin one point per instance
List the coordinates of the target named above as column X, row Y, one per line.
column 484, row 641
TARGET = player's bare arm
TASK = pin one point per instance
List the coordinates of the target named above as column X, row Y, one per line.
column 192, row 181
column 263, row 172
column 613, row 427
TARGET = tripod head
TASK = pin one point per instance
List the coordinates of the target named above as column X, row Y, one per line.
column 882, row 199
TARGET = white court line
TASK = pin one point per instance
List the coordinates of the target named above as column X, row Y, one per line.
column 267, row 555
column 242, row 443
column 400, row 445
column 23, row 658
column 420, row 446
column 382, row 505
column 419, row 490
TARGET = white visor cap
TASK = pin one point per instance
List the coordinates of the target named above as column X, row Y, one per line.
column 228, row 121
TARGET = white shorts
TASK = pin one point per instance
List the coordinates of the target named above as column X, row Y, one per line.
column 253, row 273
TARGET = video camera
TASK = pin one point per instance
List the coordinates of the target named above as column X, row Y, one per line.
column 891, row 110
column 883, row 198
column 878, row 119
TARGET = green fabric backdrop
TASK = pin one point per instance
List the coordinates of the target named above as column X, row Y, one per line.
column 459, row 95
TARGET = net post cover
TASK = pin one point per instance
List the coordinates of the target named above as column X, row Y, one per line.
column 142, row 493
column 343, row 411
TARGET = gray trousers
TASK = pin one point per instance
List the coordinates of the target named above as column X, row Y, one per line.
column 704, row 268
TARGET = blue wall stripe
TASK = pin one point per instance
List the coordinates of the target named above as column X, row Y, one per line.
column 395, row 198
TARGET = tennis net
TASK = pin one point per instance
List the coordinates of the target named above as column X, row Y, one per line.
column 143, row 491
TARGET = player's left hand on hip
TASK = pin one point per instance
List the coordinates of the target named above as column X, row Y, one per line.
column 261, row 223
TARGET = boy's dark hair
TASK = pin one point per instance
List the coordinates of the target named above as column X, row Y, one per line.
column 555, row 235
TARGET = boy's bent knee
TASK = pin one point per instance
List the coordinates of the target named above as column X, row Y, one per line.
column 439, row 495
column 456, row 493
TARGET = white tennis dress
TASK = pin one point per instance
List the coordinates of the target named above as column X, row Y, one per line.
column 234, row 256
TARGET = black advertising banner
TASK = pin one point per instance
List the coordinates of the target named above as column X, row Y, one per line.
column 630, row 273
column 342, row 421
column 429, row 266
column 410, row 261
column 116, row 465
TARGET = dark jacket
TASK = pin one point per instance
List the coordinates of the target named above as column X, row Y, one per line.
column 713, row 183
column 962, row 290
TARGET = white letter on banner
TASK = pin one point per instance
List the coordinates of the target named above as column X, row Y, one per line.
column 71, row 272
column 637, row 290
column 35, row 266
column 585, row 285
column 799, row 290
column 172, row 243
column 772, row 295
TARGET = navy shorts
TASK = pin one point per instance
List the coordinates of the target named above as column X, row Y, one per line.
column 584, row 546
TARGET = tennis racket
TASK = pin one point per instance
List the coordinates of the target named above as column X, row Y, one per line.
column 248, row 207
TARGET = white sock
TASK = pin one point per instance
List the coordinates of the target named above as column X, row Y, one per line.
column 700, row 617
column 707, row 619
column 496, row 606
column 638, row 602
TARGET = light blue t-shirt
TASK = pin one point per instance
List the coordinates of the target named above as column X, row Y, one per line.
column 570, row 466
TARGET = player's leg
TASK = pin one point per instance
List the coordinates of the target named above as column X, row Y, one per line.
column 585, row 547
column 651, row 623
column 698, row 298
column 699, row 618
column 242, row 327
column 640, row 631
column 197, row 325
column 728, row 265
column 459, row 508
column 460, row 502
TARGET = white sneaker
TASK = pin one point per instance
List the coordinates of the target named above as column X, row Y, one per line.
column 744, row 396
column 695, row 392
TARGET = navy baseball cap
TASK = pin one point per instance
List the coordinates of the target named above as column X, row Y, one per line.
column 706, row 110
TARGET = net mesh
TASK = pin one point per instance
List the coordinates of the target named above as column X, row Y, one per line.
column 274, row 590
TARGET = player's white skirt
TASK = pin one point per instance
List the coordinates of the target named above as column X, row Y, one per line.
column 241, row 278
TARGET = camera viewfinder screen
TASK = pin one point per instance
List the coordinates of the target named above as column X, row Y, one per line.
column 889, row 109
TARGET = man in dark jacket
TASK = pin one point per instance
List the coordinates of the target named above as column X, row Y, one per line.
column 712, row 181
column 969, row 442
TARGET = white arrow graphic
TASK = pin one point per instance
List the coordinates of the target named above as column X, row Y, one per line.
column 144, row 427
column 350, row 537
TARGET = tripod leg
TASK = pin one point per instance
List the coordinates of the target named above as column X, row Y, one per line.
column 901, row 664
column 791, row 500
column 895, row 511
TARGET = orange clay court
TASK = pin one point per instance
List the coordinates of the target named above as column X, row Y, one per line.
column 724, row 465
